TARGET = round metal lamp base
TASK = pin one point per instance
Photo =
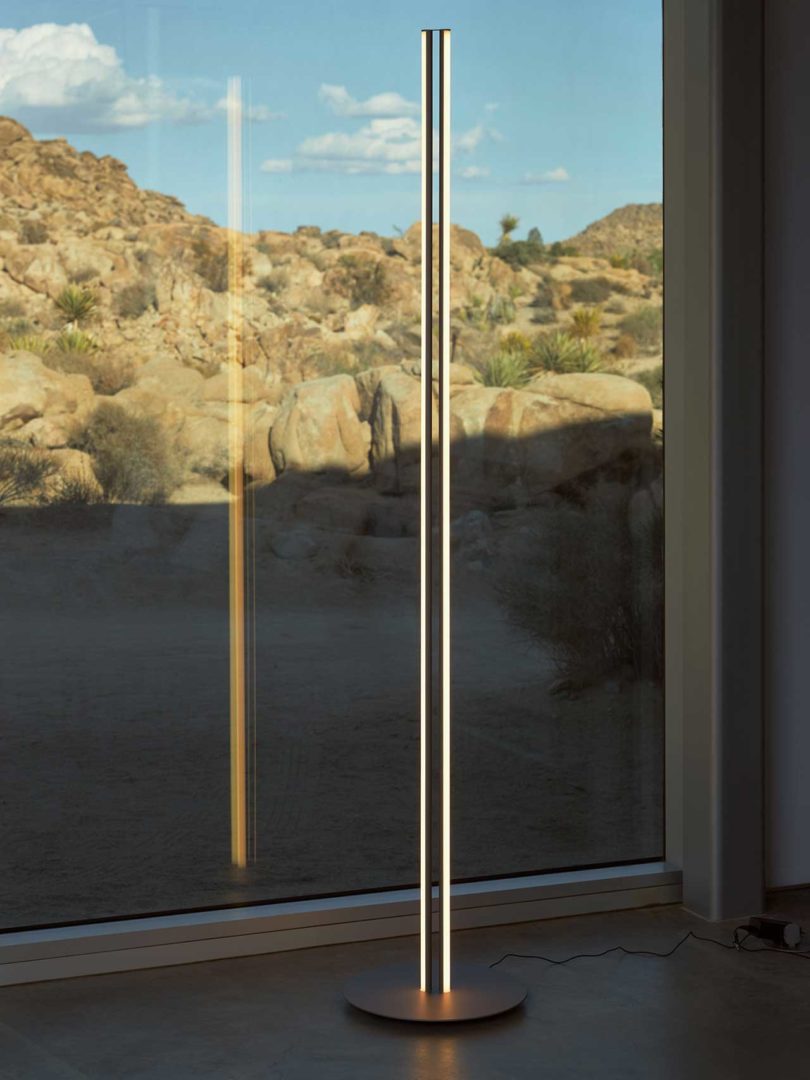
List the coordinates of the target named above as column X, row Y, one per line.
column 393, row 992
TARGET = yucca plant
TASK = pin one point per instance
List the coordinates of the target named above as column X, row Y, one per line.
column 75, row 341
column 33, row 343
column 76, row 303
column 507, row 369
column 586, row 322
column 561, row 353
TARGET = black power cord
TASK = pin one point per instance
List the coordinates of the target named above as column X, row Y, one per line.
column 737, row 945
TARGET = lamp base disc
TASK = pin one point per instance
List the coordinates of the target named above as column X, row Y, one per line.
column 393, row 992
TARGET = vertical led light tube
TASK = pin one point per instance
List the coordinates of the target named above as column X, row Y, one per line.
column 426, row 975
column 236, row 481
column 444, row 529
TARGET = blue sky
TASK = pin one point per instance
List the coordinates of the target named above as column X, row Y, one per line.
column 557, row 103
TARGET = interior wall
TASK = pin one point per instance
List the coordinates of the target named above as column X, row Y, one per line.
column 787, row 438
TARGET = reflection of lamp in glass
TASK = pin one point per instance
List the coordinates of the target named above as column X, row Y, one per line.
column 438, row 990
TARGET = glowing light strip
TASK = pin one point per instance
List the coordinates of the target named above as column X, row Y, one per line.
column 425, row 870
column 236, row 481
column 444, row 393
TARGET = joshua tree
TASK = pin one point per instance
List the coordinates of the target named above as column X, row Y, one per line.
column 534, row 236
column 508, row 224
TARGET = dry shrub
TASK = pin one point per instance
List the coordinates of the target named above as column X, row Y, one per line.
column 108, row 375
column 24, row 471
column 362, row 280
column 133, row 458
column 625, row 347
column 591, row 589
column 133, row 300
column 33, row 232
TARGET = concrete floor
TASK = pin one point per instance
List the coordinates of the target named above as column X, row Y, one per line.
column 702, row 1013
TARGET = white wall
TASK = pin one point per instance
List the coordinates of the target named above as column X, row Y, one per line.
column 787, row 437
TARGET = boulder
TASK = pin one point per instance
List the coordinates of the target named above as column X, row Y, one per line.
column 29, row 389
column 251, row 387
column 518, row 444
column 318, row 428
column 171, row 380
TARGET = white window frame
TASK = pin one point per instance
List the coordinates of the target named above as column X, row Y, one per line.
column 713, row 715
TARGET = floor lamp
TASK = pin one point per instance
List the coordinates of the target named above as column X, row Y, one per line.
column 435, row 989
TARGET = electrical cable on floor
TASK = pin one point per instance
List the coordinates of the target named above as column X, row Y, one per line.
column 737, row 945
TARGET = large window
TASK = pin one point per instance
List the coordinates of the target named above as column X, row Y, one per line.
column 209, row 448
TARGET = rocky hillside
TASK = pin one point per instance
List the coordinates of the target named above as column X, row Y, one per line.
column 634, row 229
column 117, row 298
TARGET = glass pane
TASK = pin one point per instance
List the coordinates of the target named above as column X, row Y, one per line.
column 557, row 484
column 160, row 621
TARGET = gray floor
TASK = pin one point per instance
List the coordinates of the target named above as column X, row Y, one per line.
column 704, row 1012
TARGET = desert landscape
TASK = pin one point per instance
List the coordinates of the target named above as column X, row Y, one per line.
column 115, row 405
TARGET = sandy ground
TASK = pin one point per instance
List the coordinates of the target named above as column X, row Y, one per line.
column 114, row 737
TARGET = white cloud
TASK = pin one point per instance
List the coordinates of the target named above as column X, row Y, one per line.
column 491, row 107
column 384, row 145
column 473, row 172
column 550, row 176
column 388, row 103
column 60, row 78
column 277, row 165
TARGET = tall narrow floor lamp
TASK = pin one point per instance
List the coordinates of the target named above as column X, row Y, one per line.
column 436, row 989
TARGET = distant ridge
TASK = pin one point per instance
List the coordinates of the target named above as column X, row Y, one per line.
column 631, row 228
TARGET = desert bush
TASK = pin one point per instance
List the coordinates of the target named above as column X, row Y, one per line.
column 106, row 375
column 517, row 343
column 645, row 324
column 23, row 472
column 72, row 489
column 591, row 590
column 518, row 253
column 507, row 369
column 211, row 262
column 586, row 322
column 558, row 249
column 274, row 282
column 133, row 457
column 363, row 280
column 133, row 300
column 331, row 361
column 11, row 309
column 591, row 290
column 653, row 380
column 625, row 347
column 74, row 341
column 33, row 232
column 33, row 343
column 500, row 309
column 563, row 354
column 620, row 260
column 76, row 303
column 83, row 275
column 615, row 306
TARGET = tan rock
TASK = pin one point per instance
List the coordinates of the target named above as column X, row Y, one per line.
column 318, row 428
column 251, row 386
column 171, row 380
column 29, row 389
column 74, row 465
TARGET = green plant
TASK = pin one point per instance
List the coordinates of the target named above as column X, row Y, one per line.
column 561, row 353
column 133, row 300
column 591, row 591
column 559, row 249
column 500, row 309
column 518, row 253
column 76, row 303
column 33, row 232
column 653, row 381
column 586, row 322
column 363, row 280
column 590, row 290
column 74, row 341
column 133, row 457
column 274, row 282
column 645, row 324
column 33, row 343
column 620, row 261
column 23, row 472
column 507, row 369
column 508, row 224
